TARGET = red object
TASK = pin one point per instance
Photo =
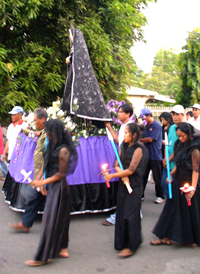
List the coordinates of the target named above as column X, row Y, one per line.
column 1, row 141
column 189, row 202
column 104, row 169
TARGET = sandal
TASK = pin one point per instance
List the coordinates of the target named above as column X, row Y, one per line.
column 107, row 223
column 164, row 241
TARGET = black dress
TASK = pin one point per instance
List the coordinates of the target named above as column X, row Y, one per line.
column 128, row 221
column 56, row 217
column 178, row 221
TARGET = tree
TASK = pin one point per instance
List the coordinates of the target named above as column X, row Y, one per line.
column 190, row 70
column 164, row 76
column 34, row 44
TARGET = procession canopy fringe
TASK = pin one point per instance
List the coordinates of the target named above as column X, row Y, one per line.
column 82, row 94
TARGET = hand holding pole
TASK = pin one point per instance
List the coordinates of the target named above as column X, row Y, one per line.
column 117, row 155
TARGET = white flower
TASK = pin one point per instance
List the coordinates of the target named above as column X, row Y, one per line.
column 84, row 133
column 54, row 116
column 60, row 113
column 75, row 101
column 67, row 119
column 73, row 138
column 50, row 110
column 73, row 126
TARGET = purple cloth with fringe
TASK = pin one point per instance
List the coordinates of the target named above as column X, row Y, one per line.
column 93, row 153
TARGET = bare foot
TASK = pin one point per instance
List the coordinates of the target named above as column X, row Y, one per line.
column 164, row 241
column 64, row 253
column 19, row 227
column 190, row 245
column 126, row 252
column 36, row 263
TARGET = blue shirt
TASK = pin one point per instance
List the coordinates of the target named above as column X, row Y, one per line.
column 172, row 137
column 154, row 131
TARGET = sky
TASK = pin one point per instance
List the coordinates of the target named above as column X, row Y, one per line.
column 168, row 24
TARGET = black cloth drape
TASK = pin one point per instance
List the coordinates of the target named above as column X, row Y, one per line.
column 82, row 94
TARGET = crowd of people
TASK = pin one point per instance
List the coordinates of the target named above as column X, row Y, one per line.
column 140, row 152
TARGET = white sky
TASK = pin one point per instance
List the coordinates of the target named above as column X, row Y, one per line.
column 168, row 23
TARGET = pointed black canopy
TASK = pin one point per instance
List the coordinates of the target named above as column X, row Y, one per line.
column 82, row 94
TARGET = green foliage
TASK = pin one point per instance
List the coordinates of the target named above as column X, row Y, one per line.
column 164, row 77
column 34, row 44
column 190, row 71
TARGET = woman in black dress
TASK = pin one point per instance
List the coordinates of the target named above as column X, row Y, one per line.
column 134, row 158
column 178, row 221
column 60, row 159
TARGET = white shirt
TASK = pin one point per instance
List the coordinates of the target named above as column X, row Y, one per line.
column 12, row 134
column 195, row 123
column 121, row 133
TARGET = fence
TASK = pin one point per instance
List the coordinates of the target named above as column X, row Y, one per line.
column 156, row 111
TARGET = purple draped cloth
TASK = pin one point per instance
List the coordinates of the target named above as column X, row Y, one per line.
column 22, row 157
column 93, row 153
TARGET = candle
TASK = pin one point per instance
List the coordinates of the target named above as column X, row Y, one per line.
column 55, row 104
column 187, row 188
column 105, row 172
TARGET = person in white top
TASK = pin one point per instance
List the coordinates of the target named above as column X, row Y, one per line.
column 13, row 131
column 195, row 120
column 124, row 113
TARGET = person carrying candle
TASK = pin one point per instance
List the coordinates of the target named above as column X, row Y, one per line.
column 60, row 160
column 178, row 221
column 134, row 158
column 124, row 114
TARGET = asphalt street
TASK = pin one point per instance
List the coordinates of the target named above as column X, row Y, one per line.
column 91, row 246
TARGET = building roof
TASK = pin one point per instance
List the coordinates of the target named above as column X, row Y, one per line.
column 134, row 91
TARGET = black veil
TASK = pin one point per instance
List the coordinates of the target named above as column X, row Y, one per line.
column 58, row 135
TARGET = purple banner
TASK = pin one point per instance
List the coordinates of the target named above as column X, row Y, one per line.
column 93, row 153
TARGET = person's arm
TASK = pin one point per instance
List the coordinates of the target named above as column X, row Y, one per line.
column 164, row 161
column 195, row 173
column 5, row 151
column 171, row 174
column 113, row 133
column 118, row 169
column 130, row 170
column 63, row 164
column 146, row 140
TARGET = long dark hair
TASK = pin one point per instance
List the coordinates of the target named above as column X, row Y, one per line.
column 134, row 128
column 58, row 135
column 186, row 128
column 167, row 116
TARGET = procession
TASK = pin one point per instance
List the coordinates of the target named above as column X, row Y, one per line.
column 96, row 154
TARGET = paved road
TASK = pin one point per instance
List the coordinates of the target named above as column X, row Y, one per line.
column 91, row 247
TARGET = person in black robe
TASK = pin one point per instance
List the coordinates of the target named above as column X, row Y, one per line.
column 134, row 158
column 179, row 222
column 60, row 160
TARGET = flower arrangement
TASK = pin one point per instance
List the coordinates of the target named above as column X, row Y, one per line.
column 81, row 127
column 113, row 107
